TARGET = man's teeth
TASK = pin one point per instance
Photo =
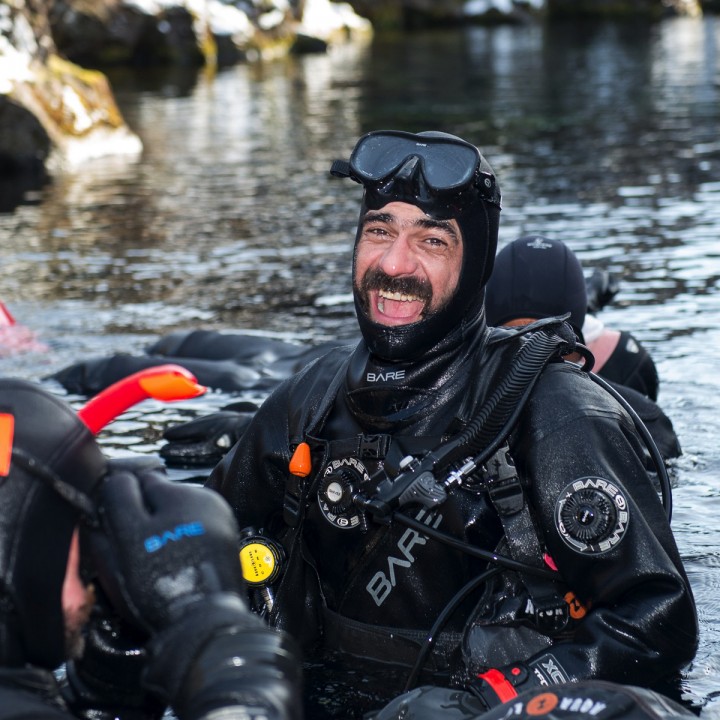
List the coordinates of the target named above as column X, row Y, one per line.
column 385, row 295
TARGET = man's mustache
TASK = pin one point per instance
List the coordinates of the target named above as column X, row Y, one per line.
column 376, row 279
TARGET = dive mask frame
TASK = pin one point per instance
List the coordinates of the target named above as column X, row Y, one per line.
column 447, row 165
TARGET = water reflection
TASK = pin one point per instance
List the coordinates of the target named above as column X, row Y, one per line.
column 603, row 136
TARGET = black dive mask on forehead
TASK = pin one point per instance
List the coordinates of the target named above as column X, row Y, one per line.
column 447, row 178
column 435, row 171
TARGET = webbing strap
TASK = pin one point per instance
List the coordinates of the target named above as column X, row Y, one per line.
column 523, row 539
column 296, row 488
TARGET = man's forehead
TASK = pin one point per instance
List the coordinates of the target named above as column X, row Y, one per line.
column 398, row 209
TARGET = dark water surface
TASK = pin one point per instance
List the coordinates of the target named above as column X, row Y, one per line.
column 605, row 137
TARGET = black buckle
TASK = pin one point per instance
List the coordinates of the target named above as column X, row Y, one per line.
column 373, row 447
column 504, row 486
column 551, row 616
column 507, row 499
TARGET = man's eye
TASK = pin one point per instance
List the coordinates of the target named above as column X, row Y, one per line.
column 436, row 241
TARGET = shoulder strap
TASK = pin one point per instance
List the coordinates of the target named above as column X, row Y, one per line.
column 312, row 399
column 522, row 536
column 308, row 413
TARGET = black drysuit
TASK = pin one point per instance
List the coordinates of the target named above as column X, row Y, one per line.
column 640, row 622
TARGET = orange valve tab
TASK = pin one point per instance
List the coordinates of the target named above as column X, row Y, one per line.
column 301, row 462
column 7, row 433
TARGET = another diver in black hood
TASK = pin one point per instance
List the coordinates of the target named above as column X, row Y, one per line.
column 448, row 498
column 537, row 277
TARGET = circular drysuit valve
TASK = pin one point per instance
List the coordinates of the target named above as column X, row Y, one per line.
column 589, row 515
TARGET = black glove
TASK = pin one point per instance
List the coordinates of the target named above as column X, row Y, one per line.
column 205, row 440
column 163, row 546
column 167, row 558
column 105, row 683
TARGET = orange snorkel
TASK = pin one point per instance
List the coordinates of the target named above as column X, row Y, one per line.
column 163, row 382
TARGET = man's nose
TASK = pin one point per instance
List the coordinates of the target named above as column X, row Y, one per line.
column 398, row 258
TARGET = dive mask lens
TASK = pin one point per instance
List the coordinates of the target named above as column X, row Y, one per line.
column 448, row 165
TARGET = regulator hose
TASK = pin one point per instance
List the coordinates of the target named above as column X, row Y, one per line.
column 487, row 555
column 486, row 431
column 441, row 620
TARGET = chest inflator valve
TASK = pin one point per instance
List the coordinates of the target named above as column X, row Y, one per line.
column 337, row 492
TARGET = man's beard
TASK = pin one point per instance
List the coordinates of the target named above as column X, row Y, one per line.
column 376, row 279
column 74, row 625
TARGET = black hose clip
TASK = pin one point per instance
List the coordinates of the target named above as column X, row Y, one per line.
column 552, row 616
column 504, row 487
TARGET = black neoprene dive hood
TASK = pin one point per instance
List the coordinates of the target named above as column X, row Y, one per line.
column 535, row 277
column 50, row 465
column 447, row 178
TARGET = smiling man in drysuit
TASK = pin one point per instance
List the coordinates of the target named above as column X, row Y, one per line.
column 439, row 453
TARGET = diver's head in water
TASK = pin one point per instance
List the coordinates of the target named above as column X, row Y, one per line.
column 535, row 277
column 49, row 465
column 426, row 238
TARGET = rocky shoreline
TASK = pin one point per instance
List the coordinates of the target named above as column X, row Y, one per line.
column 55, row 113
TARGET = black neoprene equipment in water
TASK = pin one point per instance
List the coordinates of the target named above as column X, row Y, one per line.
column 54, row 465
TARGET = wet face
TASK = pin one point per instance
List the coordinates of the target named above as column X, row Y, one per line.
column 77, row 602
column 407, row 265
